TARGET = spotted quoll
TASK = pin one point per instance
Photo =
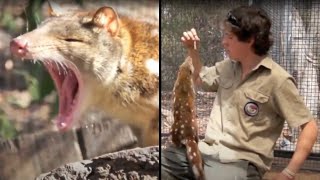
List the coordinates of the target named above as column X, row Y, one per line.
column 184, row 130
column 99, row 59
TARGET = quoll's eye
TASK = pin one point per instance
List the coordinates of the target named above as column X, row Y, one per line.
column 73, row 40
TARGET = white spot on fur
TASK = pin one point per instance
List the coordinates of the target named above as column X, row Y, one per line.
column 189, row 149
column 182, row 126
column 154, row 32
column 177, row 112
column 195, row 171
column 181, row 132
column 194, row 154
column 153, row 66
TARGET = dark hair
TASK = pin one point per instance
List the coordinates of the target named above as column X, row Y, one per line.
column 251, row 22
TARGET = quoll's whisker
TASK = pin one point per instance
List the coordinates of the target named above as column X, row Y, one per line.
column 61, row 64
column 57, row 65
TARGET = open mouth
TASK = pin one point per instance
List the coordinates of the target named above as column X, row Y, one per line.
column 68, row 83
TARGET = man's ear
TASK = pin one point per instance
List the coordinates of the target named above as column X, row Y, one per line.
column 251, row 41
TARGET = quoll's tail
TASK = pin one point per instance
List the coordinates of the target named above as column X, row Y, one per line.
column 195, row 159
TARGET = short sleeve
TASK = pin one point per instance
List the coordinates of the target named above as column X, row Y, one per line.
column 209, row 78
column 290, row 105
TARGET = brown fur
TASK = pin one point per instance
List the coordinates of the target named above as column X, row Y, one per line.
column 185, row 128
column 110, row 52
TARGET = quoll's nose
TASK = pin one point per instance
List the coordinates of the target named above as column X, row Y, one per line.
column 18, row 47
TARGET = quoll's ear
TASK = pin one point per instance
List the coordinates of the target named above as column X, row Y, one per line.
column 107, row 18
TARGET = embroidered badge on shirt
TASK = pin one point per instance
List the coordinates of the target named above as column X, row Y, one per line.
column 251, row 109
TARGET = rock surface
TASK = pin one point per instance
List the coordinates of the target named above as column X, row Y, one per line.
column 138, row 163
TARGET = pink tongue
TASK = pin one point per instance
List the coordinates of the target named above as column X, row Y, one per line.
column 67, row 96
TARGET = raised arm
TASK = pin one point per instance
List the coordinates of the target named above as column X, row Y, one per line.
column 191, row 41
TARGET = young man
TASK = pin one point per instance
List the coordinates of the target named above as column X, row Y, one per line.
column 255, row 96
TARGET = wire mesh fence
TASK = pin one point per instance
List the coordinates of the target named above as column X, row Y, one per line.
column 296, row 31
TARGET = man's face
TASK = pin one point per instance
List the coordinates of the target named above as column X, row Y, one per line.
column 236, row 50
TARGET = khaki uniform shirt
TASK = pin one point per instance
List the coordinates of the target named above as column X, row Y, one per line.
column 248, row 115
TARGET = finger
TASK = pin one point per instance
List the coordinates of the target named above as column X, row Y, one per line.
column 183, row 39
column 194, row 32
column 197, row 38
column 186, row 35
column 191, row 35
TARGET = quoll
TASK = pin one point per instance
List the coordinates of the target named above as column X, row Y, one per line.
column 184, row 131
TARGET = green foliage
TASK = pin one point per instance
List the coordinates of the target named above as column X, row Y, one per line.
column 7, row 130
column 55, row 108
column 7, row 21
column 80, row 2
column 39, row 81
column 33, row 85
column 33, row 13
column 41, row 84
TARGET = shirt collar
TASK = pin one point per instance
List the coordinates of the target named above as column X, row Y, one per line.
column 265, row 62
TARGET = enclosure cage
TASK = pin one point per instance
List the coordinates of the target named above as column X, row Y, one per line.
column 296, row 32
